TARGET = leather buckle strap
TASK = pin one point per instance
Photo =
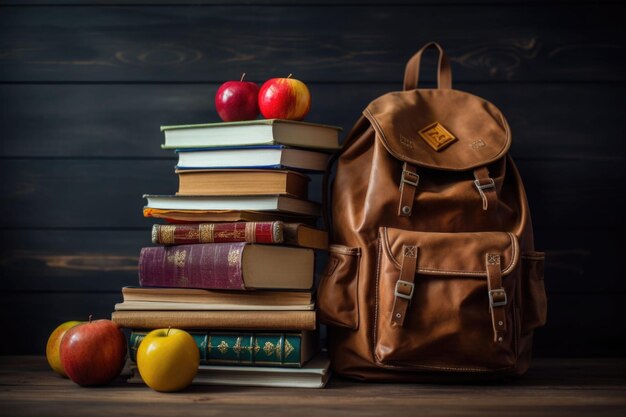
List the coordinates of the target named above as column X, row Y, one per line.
column 408, row 184
column 406, row 178
column 497, row 297
column 486, row 187
column 403, row 292
column 403, row 285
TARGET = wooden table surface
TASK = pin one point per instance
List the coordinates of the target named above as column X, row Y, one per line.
column 553, row 387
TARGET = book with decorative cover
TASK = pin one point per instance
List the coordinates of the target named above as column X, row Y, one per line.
column 218, row 320
column 246, row 348
column 252, row 232
column 227, row 266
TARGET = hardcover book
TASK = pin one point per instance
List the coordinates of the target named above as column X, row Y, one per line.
column 314, row 374
column 246, row 348
column 182, row 306
column 216, row 320
column 278, row 232
column 232, row 298
column 271, row 156
column 272, row 203
column 242, row 182
column 196, row 216
column 226, row 266
column 252, row 132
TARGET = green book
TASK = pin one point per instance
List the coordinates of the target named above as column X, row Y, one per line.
column 252, row 133
column 247, row 348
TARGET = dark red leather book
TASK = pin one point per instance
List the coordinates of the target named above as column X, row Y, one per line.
column 228, row 266
column 252, row 232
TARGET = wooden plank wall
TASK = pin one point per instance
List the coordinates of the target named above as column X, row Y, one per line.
column 85, row 85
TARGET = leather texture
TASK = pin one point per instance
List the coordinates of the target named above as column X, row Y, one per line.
column 451, row 285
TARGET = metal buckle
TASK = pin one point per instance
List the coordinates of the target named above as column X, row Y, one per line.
column 413, row 183
column 491, row 184
column 405, row 296
column 498, row 293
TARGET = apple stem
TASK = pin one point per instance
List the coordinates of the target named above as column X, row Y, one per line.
column 289, row 76
column 90, row 317
column 242, row 75
column 170, row 328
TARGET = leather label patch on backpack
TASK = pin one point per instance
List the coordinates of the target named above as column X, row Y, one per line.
column 437, row 136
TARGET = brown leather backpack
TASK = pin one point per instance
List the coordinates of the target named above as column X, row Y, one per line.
column 432, row 268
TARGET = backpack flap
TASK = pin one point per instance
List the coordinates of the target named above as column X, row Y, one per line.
column 440, row 128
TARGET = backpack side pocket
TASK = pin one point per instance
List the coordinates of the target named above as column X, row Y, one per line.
column 337, row 292
column 534, row 298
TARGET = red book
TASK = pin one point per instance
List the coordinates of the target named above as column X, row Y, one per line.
column 227, row 266
column 251, row 232
column 277, row 232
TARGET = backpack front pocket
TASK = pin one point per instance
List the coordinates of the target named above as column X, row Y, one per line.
column 446, row 301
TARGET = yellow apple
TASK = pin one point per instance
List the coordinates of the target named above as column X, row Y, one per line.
column 168, row 359
column 53, row 346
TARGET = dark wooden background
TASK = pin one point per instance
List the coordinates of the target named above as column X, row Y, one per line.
column 85, row 85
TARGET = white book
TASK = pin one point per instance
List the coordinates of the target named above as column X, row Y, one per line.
column 234, row 203
column 314, row 374
column 252, row 132
column 264, row 156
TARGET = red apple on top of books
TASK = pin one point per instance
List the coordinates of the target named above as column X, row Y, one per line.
column 284, row 98
column 93, row 353
column 237, row 100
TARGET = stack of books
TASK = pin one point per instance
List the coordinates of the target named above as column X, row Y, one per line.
column 235, row 264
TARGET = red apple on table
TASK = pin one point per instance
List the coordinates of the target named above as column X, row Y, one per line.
column 93, row 353
column 284, row 98
column 237, row 100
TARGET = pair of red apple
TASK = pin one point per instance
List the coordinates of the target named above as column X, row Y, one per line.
column 278, row 98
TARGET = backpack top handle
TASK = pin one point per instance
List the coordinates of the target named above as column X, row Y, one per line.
column 444, row 73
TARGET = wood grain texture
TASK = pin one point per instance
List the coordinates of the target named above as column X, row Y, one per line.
column 105, row 260
column 553, row 387
column 383, row 3
column 209, row 44
column 107, row 193
column 122, row 120
column 577, row 323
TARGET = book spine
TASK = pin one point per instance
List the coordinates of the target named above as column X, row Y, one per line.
column 210, row 266
column 229, row 348
column 187, row 234
column 218, row 320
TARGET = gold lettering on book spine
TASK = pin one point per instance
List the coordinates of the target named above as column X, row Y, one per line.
column 223, row 347
column 268, row 348
column 167, row 234
column 237, row 347
column 206, row 232
column 254, row 347
column 178, row 258
column 288, row 348
column 234, row 255
column 250, row 232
